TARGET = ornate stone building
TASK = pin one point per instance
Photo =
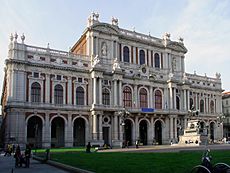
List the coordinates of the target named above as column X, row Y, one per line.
column 114, row 85
column 226, row 112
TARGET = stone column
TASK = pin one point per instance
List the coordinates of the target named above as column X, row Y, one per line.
column 174, row 96
column 188, row 99
column 120, row 92
column 121, row 129
column 151, row 98
column 115, row 91
column 94, row 90
column 95, row 132
column 152, row 127
column 185, row 122
column 69, row 137
column 100, row 91
column 47, row 132
column 100, row 128
column 175, row 128
column 69, row 90
column 115, row 127
column 171, row 127
column 136, row 127
column 171, row 97
column 135, row 96
column 185, row 107
column 47, row 98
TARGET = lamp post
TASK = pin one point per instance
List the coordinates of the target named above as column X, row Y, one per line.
column 123, row 115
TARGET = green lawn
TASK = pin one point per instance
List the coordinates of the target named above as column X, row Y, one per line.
column 180, row 162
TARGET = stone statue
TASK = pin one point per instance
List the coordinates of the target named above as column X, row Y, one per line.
column 96, row 60
column 104, row 49
column 116, row 64
column 218, row 75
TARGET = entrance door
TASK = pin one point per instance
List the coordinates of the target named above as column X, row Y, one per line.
column 158, row 132
column 79, row 132
column 106, row 135
column 128, row 132
column 143, row 132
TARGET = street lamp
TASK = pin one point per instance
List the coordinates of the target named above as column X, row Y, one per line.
column 123, row 115
column 220, row 119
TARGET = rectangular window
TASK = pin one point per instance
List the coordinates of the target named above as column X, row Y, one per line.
column 79, row 79
column 58, row 77
column 226, row 102
column 36, row 75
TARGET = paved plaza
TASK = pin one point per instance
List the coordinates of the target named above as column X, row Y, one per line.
column 7, row 166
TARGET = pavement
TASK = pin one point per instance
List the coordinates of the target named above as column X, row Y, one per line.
column 7, row 166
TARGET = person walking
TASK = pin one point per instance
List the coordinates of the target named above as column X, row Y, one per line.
column 88, row 147
column 17, row 157
column 28, row 155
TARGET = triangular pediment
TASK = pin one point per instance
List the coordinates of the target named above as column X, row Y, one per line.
column 177, row 46
column 106, row 28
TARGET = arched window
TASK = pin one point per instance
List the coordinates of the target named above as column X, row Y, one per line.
column 35, row 92
column 105, row 96
column 127, row 97
column 157, row 60
column 202, row 106
column 126, row 54
column 142, row 57
column 177, row 103
column 143, row 98
column 212, row 106
column 158, row 99
column 80, row 96
column 58, row 94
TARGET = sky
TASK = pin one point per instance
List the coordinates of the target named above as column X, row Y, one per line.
column 204, row 25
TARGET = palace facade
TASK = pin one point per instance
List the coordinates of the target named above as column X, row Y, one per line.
column 113, row 85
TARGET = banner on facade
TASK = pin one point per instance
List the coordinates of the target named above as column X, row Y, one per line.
column 147, row 109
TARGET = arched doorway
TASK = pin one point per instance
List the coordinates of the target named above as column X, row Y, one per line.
column 212, row 126
column 57, row 132
column 79, row 132
column 143, row 127
column 128, row 131
column 158, row 132
column 34, row 131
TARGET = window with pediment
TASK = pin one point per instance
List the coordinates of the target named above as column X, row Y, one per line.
column 127, row 97
column 126, row 54
column 80, row 96
column 142, row 57
column 157, row 60
column 58, row 94
column 143, row 98
column 158, row 99
column 105, row 96
column 35, row 92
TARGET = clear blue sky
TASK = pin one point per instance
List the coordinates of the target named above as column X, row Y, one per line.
column 204, row 25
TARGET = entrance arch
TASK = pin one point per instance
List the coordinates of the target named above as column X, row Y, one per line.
column 34, row 131
column 79, row 132
column 128, row 131
column 57, row 132
column 143, row 128
column 158, row 132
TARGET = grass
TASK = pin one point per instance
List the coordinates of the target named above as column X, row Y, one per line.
column 180, row 162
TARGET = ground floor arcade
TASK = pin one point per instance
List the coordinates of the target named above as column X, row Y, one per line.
column 68, row 129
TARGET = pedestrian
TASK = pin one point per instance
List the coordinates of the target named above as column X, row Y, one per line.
column 88, row 147
column 27, row 155
column 17, row 157
column 137, row 142
column 7, row 150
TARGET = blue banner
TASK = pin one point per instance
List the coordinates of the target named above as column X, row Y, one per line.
column 147, row 109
